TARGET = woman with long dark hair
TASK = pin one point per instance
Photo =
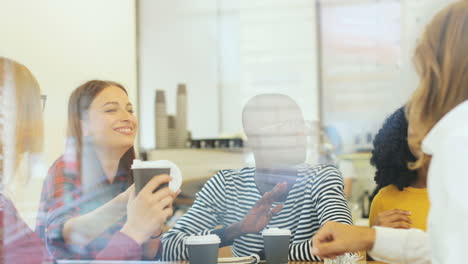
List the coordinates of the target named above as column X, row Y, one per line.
column 85, row 195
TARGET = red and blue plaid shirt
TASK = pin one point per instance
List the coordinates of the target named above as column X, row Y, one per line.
column 64, row 196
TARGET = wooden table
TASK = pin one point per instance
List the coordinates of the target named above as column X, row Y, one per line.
column 290, row 262
column 179, row 262
column 360, row 262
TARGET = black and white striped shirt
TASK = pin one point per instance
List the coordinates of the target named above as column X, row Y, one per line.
column 315, row 198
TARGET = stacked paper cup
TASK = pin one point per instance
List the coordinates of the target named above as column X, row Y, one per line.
column 172, row 131
column 161, row 123
column 181, row 116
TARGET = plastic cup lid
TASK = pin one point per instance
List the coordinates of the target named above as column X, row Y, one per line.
column 202, row 240
column 175, row 174
column 276, row 232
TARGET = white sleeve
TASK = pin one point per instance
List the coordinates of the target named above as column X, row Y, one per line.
column 447, row 182
column 401, row 246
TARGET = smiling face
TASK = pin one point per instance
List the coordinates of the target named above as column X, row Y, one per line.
column 110, row 122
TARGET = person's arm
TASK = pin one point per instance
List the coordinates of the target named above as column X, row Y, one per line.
column 146, row 214
column 79, row 230
column 390, row 245
column 67, row 232
column 401, row 246
column 331, row 205
column 335, row 239
column 447, row 181
column 61, row 200
column 121, row 247
column 151, row 247
column 330, row 202
column 82, row 229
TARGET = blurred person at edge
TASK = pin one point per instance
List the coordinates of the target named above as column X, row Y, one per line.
column 22, row 137
column 438, row 133
column 88, row 201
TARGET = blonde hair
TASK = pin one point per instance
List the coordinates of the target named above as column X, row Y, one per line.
column 441, row 61
column 28, row 131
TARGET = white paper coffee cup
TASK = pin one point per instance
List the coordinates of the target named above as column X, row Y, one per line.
column 276, row 232
column 144, row 171
column 276, row 243
column 203, row 249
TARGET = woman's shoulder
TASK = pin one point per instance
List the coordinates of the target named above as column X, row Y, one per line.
column 57, row 165
column 387, row 191
column 60, row 172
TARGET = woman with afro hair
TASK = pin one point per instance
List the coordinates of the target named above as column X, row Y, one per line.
column 400, row 199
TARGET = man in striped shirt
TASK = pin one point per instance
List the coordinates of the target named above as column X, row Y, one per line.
column 281, row 191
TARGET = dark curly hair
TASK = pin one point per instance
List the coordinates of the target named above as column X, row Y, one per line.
column 391, row 153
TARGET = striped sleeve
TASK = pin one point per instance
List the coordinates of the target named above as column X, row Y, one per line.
column 329, row 198
column 330, row 203
column 200, row 219
column 302, row 251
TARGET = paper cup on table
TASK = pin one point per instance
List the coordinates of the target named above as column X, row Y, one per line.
column 144, row 171
column 276, row 245
column 203, row 249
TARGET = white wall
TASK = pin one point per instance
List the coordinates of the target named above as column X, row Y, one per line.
column 278, row 51
column 416, row 14
column 226, row 52
column 266, row 47
column 179, row 44
column 65, row 43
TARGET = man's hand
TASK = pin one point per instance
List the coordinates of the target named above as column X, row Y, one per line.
column 335, row 239
column 260, row 215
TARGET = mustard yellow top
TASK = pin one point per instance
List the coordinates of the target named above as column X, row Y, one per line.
column 414, row 200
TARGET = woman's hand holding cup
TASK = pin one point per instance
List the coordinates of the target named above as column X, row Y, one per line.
column 148, row 211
